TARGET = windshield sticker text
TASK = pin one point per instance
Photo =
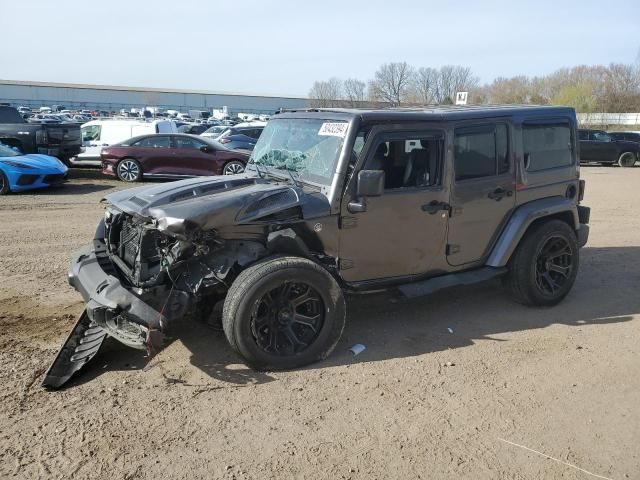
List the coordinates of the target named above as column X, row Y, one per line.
column 334, row 129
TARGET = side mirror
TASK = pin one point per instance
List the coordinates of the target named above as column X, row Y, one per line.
column 370, row 184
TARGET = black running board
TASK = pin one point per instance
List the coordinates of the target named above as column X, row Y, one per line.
column 426, row 287
column 81, row 345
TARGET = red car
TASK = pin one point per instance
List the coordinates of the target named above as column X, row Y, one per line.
column 170, row 156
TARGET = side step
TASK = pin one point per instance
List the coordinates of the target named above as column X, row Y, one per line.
column 426, row 287
column 81, row 345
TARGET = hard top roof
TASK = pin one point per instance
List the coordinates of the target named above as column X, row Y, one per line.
column 436, row 112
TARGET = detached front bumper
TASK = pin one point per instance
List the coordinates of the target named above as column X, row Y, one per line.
column 110, row 305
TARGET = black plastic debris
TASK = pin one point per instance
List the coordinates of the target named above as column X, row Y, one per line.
column 81, row 346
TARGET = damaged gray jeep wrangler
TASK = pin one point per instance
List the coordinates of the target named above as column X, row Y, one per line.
column 335, row 201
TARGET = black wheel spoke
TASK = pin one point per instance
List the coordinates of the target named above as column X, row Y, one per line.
column 564, row 271
column 306, row 321
column 550, row 282
column 286, row 291
column 293, row 338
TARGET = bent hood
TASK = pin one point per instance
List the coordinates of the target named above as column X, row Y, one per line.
column 209, row 202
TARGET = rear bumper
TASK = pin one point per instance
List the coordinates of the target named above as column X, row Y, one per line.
column 583, row 235
column 61, row 152
column 111, row 305
column 584, row 214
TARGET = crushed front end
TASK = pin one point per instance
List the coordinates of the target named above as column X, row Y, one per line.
column 173, row 258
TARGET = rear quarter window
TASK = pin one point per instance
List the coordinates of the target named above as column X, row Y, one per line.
column 547, row 146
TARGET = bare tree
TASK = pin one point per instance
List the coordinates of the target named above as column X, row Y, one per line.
column 425, row 84
column 354, row 92
column 452, row 79
column 391, row 82
column 326, row 93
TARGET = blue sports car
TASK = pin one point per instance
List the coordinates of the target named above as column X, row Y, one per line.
column 20, row 172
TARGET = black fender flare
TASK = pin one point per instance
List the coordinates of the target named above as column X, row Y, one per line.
column 522, row 218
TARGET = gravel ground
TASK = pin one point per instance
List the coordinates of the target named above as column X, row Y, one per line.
column 419, row 402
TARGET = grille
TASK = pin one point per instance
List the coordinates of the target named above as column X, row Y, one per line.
column 129, row 241
column 53, row 179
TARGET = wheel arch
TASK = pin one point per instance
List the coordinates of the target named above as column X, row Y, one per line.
column 526, row 217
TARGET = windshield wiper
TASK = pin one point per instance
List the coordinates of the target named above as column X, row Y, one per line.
column 293, row 179
column 257, row 168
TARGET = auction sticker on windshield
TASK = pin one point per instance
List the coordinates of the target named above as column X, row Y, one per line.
column 334, row 129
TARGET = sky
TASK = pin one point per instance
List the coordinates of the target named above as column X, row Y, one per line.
column 282, row 47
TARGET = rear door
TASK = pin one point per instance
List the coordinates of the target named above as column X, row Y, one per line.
column 482, row 193
column 154, row 153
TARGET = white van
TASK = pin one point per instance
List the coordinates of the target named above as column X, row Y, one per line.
column 102, row 133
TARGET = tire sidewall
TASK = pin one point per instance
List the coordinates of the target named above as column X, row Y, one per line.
column 545, row 233
column 334, row 312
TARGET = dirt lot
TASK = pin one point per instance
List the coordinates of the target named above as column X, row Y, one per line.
column 562, row 381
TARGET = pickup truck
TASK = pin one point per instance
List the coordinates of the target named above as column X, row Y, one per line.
column 599, row 146
column 59, row 140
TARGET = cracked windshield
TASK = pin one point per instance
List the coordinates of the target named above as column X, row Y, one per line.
column 309, row 148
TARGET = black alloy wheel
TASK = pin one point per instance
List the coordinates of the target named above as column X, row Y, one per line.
column 554, row 265
column 287, row 319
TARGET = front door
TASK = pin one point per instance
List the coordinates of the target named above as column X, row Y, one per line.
column 482, row 193
column 189, row 159
column 402, row 232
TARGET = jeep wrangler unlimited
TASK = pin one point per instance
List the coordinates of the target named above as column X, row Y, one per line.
column 333, row 201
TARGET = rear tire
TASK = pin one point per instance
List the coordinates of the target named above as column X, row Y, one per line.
column 129, row 170
column 4, row 184
column 283, row 313
column 234, row 167
column 627, row 159
column 545, row 265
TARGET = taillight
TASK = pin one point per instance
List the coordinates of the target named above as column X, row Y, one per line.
column 581, row 190
column 224, row 140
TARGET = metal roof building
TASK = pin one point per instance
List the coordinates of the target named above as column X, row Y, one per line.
column 114, row 98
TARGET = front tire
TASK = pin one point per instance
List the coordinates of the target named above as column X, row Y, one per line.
column 233, row 167
column 129, row 170
column 627, row 159
column 283, row 313
column 4, row 184
column 545, row 264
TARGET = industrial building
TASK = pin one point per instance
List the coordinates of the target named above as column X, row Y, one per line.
column 115, row 98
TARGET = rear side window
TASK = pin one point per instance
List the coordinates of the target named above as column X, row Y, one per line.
column 186, row 142
column 153, row 142
column 481, row 151
column 546, row 146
